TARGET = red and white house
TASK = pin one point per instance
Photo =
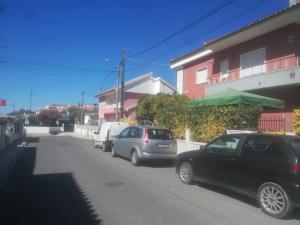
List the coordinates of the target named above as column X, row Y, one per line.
column 134, row 90
column 262, row 58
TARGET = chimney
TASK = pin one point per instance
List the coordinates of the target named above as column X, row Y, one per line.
column 293, row 2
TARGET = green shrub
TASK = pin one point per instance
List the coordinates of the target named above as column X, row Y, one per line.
column 54, row 132
column 296, row 121
column 169, row 111
column 208, row 122
column 205, row 122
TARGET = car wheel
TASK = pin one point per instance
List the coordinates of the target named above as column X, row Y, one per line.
column 273, row 200
column 186, row 173
column 95, row 146
column 113, row 152
column 135, row 158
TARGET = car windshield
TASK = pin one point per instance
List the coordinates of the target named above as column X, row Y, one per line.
column 296, row 144
column 160, row 134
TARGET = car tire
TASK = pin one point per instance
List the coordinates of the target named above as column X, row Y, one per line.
column 135, row 160
column 185, row 172
column 113, row 152
column 273, row 200
column 104, row 148
column 95, row 146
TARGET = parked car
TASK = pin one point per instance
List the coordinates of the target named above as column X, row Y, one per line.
column 145, row 143
column 107, row 132
column 264, row 167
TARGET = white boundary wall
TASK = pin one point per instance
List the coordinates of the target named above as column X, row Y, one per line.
column 85, row 130
column 41, row 130
column 185, row 146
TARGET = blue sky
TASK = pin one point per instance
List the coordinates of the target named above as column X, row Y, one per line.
column 57, row 48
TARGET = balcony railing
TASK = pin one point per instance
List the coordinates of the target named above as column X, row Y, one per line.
column 268, row 67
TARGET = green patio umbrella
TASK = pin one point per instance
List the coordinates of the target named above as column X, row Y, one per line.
column 235, row 97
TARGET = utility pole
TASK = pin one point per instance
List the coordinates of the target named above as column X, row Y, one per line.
column 118, row 96
column 121, row 78
column 30, row 101
column 81, row 112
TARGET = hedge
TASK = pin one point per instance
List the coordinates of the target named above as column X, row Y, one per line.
column 208, row 122
column 296, row 121
column 204, row 122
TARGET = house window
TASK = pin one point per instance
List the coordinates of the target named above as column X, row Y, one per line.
column 201, row 76
column 224, row 66
column 253, row 62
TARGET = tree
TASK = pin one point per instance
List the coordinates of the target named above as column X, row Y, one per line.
column 33, row 119
column 74, row 113
column 169, row 111
column 48, row 117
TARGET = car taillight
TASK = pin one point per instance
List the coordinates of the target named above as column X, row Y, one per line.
column 295, row 169
column 146, row 140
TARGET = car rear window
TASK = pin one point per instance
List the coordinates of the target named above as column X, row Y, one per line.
column 159, row 134
column 296, row 144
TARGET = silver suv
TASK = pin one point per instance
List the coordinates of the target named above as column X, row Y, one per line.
column 145, row 143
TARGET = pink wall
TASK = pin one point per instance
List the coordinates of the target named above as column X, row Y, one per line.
column 131, row 99
column 130, row 102
column 277, row 47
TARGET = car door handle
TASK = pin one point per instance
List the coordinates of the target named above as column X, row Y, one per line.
column 231, row 159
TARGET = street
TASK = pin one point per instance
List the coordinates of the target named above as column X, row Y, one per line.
column 64, row 180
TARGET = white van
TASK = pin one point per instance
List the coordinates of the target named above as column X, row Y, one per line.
column 107, row 132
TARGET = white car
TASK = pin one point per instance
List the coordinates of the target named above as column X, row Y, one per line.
column 107, row 132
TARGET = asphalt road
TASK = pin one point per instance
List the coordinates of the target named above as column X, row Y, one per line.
column 61, row 180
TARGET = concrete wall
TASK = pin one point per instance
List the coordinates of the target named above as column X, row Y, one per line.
column 41, row 130
column 85, row 130
column 254, row 82
column 185, row 146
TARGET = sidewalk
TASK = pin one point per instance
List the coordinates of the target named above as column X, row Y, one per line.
column 8, row 157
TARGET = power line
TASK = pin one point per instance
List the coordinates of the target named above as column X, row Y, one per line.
column 53, row 72
column 103, row 80
column 44, row 65
column 213, row 29
column 188, row 26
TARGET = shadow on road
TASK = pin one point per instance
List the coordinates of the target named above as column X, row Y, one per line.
column 32, row 139
column 45, row 199
column 295, row 215
column 158, row 164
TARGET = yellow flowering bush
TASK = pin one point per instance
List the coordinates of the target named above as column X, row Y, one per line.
column 296, row 121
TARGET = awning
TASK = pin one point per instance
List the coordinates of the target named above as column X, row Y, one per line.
column 235, row 97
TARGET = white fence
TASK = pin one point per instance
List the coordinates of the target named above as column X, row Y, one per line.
column 85, row 130
column 185, row 146
column 41, row 130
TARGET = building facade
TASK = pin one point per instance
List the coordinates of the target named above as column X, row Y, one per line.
column 262, row 58
column 133, row 91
